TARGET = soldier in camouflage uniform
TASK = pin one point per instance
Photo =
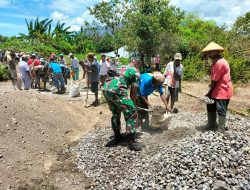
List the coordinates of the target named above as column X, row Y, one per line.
column 117, row 95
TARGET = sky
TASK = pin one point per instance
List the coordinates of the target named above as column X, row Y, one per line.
column 75, row 12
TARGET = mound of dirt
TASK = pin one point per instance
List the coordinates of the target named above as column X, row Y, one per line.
column 35, row 130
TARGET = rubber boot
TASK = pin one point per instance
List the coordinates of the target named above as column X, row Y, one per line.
column 132, row 144
column 221, row 125
column 211, row 124
column 118, row 136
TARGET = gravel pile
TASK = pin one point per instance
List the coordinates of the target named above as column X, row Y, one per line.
column 191, row 159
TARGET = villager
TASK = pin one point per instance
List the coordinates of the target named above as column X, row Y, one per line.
column 33, row 62
column 93, row 76
column 157, row 62
column 11, row 60
column 221, row 89
column 148, row 84
column 24, row 71
column 61, row 59
column 75, row 66
column 116, row 92
column 103, row 70
column 173, row 74
column 57, row 75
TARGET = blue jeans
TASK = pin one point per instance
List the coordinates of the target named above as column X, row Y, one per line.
column 58, row 77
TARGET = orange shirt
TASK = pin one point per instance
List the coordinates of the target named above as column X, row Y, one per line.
column 220, row 72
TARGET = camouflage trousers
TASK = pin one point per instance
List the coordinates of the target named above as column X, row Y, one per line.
column 122, row 103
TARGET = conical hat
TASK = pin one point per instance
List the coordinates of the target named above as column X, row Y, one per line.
column 212, row 46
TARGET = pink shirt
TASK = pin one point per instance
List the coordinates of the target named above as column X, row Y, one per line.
column 220, row 72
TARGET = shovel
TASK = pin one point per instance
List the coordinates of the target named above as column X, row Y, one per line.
column 144, row 109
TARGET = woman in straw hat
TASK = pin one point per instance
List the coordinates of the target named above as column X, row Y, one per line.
column 221, row 87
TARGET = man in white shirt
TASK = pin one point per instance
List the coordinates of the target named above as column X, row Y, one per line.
column 103, row 70
column 24, row 71
column 75, row 66
column 173, row 74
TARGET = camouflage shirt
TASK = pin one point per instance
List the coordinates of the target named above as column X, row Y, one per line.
column 120, row 85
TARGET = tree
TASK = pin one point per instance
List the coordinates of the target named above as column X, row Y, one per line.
column 196, row 33
column 111, row 15
column 148, row 20
column 37, row 28
column 3, row 39
column 242, row 24
column 240, row 36
column 60, row 31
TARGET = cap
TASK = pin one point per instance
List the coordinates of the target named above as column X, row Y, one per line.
column 178, row 56
column 42, row 59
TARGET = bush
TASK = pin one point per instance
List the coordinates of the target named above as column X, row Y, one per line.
column 4, row 72
column 240, row 69
column 194, row 68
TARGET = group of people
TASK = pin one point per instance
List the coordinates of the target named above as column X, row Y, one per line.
column 29, row 70
column 128, row 91
column 125, row 93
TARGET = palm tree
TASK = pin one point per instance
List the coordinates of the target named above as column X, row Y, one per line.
column 62, row 32
column 37, row 29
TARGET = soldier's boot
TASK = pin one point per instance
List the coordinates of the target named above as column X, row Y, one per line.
column 211, row 124
column 132, row 144
column 222, row 123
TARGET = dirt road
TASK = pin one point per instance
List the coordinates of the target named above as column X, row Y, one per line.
column 37, row 128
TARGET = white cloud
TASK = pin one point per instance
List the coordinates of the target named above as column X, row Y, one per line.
column 220, row 11
column 58, row 16
column 72, row 7
column 4, row 3
column 75, row 23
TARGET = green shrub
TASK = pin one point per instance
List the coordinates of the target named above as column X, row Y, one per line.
column 194, row 68
column 240, row 69
column 4, row 72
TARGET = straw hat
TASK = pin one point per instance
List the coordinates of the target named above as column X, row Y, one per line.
column 90, row 55
column 212, row 47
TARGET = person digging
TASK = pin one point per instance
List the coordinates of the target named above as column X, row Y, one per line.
column 116, row 92
column 147, row 85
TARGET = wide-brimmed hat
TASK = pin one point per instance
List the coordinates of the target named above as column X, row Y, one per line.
column 70, row 54
column 212, row 47
column 178, row 56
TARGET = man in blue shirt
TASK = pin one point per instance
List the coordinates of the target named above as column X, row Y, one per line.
column 57, row 75
column 150, row 82
column 147, row 85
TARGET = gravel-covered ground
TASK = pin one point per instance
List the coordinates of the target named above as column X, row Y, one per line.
column 180, row 156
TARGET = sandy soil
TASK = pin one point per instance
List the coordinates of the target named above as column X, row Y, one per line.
column 36, row 128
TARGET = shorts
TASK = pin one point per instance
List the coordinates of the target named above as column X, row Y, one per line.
column 94, row 86
column 173, row 93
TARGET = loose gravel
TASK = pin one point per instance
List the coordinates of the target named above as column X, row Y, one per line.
column 179, row 156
